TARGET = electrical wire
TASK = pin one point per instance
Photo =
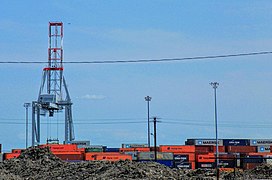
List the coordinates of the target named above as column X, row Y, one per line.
column 146, row 60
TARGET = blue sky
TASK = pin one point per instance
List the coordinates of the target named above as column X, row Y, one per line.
column 128, row 30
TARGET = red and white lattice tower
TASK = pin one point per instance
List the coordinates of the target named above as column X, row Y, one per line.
column 54, row 69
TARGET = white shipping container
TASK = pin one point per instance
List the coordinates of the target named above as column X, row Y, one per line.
column 134, row 145
column 133, row 154
column 207, row 142
column 261, row 142
column 263, row 149
column 151, row 156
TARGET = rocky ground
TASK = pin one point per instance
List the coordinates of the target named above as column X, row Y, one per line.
column 40, row 163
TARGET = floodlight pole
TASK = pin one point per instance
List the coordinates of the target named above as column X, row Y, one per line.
column 26, row 105
column 148, row 99
column 215, row 85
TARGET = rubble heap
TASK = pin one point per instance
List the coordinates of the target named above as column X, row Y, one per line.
column 39, row 163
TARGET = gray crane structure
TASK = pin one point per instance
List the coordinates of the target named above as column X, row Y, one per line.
column 53, row 94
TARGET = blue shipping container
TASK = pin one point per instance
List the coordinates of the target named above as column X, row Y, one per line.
column 236, row 142
column 112, row 149
column 181, row 158
column 183, row 165
column 253, row 159
column 168, row 163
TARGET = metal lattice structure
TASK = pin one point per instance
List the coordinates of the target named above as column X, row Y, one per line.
column 53, row 95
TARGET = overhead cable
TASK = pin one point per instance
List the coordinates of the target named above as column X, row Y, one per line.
column 145, row 60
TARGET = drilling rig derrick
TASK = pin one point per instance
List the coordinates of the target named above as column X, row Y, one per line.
column 53, row 95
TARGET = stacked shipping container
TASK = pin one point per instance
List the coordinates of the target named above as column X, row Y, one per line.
column 197, row 153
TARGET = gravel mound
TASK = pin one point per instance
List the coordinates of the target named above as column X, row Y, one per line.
column 40, row 164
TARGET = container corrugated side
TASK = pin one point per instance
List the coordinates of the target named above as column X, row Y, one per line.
column 151, row 156
column 265, row 149
column 133, row 154
column 236, row 142
column 134, row 145
column 206, row 142
column 261, row 142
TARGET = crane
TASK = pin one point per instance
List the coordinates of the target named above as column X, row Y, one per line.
column 53, row 94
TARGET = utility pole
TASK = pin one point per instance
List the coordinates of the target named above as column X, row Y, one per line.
column 155, row 137
column 148, row 99
column 26, row 105
column 215, row 85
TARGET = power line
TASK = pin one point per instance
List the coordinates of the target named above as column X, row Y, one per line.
column 146, row 60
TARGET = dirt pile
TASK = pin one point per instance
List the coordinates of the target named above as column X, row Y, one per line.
column 39, row 163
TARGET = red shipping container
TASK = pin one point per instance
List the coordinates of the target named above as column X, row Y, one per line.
column 241, row 149
column 100, row 157
column 193, row 165
column 127, row 149
column 203, row 149
column 70, row 156
column 90, row 156
column 11, row 155
column 177, row 148
column 250, row 165
column 205, row 158
column 61, row 147
column 220, row 149
column 141, row 149
column 16, row 150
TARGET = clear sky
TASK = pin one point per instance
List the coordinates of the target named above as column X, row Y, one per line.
column 97, row 30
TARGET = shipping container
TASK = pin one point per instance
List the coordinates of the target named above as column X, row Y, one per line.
column 126, row 149
column 205, row 158
column 151, row 156
column 134, row 145
column 112, row 157
column 191, row 156
column 17, row 150
column 181, row 157
column 60, row 147
column 236, row 142
column 206, row 142
column 133, row 154
column 227, row 163
column 205, row 165
column 183, row 165
column 142, row 149
column 252, row 159
column 241, row 149
column 10, row 155
column 221, row 149
column 168, row 163
column 261, row 142
column 70, row 156
column 94, row 148
column 177, row 148
column 81, row 144
column 91, row 156
column 112, row 149
column 264, row 149
column 203, row 149
column 247, row 166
